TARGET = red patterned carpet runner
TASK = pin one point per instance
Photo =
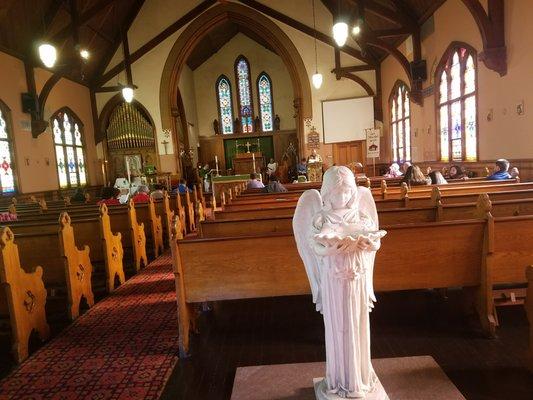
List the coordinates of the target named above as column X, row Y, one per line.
column 124, row 348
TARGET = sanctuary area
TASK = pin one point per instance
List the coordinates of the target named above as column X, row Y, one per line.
column 266, row 200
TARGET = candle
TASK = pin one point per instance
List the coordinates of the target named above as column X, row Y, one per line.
column 216, row 159
column 128, row 170
column 253, row 160
column 103, row 173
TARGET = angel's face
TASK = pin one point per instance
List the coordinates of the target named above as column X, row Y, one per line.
column 340, row 196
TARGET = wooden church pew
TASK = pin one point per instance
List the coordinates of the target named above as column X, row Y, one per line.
column 66, row 268
column 529, row 312
column 22, row 297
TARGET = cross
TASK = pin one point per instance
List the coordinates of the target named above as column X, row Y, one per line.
column 248, row 145
column 165, row 143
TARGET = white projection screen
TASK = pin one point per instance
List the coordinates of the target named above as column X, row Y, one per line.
column 345, row 120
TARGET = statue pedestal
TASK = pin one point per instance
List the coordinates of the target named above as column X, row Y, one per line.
column 403, row 378
column 321, row 392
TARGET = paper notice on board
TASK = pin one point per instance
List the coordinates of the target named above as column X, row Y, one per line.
column 372, row 143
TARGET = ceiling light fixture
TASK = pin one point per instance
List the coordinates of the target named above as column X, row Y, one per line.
column 84, row 53
column 127, row 94
column 48, row 54
column 317, row 78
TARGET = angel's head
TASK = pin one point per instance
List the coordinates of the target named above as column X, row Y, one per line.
column 339, row 189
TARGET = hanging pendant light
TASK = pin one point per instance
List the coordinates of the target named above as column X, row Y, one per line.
column 340, row 33
column 127, row 94
column 317, row 77
column 48, row 54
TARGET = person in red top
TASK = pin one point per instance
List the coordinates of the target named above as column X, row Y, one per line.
column 109, row 196
column 142, row 196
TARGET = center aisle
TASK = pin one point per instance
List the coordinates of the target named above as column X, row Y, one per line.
column 125, row 347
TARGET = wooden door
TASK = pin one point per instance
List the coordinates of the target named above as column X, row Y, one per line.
column 349, row 152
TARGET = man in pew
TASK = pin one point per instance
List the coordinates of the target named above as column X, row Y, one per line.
column 501, row 170
column 142, row 195
column 254, row 183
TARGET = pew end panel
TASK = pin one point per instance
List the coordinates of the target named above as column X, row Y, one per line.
column 112, row 248
column 184, row 309
column 25, row 297
column 78, row 268
column 138, row 238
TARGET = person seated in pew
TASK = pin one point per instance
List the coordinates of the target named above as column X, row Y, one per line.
column 109, row 196
column 142, row 196
column 79, row 196
column 274, row 186
column 414, row 177
column 405, row 166
column 501, row 170
column 514, row 173
column 158, row 192
column 301, row 168
column 181, row 188
column 394, row 171
column 457, row 172
column 437, row 178
column 254, row 183
column 272, row 166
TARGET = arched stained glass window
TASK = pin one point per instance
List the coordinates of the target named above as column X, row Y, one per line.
column 400, row 123
column 225, row 110
column 7, row 176
column 69, row 149
column 456, row 104
column 244, row 91
column 266, row 106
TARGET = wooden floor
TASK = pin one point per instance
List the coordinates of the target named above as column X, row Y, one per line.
column 287, row 330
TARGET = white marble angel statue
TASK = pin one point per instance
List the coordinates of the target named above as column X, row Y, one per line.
column 337, row 235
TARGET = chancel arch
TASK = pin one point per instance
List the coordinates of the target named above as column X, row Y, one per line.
column 69, row 148
column 456, row 103
column 257, row 24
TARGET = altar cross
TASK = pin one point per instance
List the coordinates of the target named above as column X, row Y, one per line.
column 248, row 145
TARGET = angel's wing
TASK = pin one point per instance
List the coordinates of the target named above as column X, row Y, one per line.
column 309, row 204
column 367, row 206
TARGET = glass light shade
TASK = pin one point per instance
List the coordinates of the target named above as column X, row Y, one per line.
column 340, row 33
column 356, row 30
column 48, row 54
column 85, row 54
column 317, row 80
column 127, row 93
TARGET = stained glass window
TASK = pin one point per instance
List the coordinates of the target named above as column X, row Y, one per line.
column 244, row 91
column 457, row 105
column 225, row 109
column 400, row 123
column 7, row 179
column 70, row 154
column 264, row 89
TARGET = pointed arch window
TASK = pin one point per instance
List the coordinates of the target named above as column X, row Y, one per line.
column 69, row 149
column 7, row 174
column 244, row 94
column 457, row 104
column 400, row 122
column 225, row 109
column 266, row 105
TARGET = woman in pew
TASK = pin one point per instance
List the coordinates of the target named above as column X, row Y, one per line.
column 142, row 195
column 274, row 186
column 158, row 192
column 109, row 196
column 414, row 177
column 437, row 178
column 457, row 172
column 394, row 171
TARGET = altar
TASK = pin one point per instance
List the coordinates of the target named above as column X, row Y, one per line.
column 246, row 163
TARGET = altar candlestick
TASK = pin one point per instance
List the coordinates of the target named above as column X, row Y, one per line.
column 253, row 160
column 216, row 164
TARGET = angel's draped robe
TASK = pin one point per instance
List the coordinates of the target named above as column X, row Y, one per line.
column 346, row 305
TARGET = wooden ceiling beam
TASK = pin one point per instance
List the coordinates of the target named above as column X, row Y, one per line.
column 434, row 6
column 51, row 13
column 306, row 29
column 392, row 32
column 86, row 16
column 353, row 68
column 395, row 16
column 155, row 41
column 110, row 52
